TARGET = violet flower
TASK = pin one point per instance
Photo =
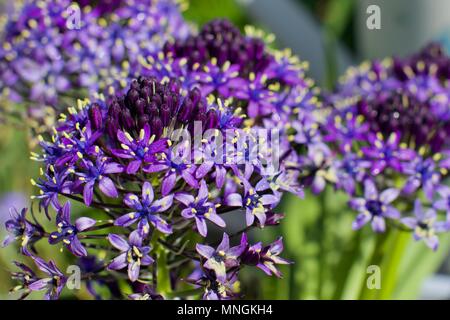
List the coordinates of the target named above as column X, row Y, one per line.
column 132, row 255
column 147, row 211
column 19, row 228
column 200, row 209
column 425, row 226
column 375, row 207
column 53, row 284
column 221, row 258
column 68, row 232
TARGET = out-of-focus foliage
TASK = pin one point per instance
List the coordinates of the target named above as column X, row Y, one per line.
column 201, row 11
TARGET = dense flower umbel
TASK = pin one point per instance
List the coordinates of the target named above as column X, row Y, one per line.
column 53, row 51
column 388, row 126
column 138, row 162
column 269, row 85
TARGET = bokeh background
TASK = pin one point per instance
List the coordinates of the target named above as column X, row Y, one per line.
column 331, row 35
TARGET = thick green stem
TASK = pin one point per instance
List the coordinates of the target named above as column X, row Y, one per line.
column 387, row 255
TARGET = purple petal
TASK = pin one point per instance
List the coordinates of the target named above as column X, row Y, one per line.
column 234, row 200
column 38, row 285
column 432, row 242
column 203, row 191
column 370, row 191
column 224, row 244
column 118, row 242
column 118, row 262
column 88, row 192
column 378, row 224
column 133, row 166
column 185, row 198
column 205, row 251
column 216, row 219
column 203, row 169
column 189, row 178
column 163, row 204
column 269, row 199
column 77, row 248
column 112, row 168
column 409, row 222
column 389, row 195
column 220, row 176
column 147, row 192
column 360, row 221
column 84, row 223
column 108, row 188
column 147, row 260
column 135, row 239
column 65, row 212
column 201, row 226
column 168, row 184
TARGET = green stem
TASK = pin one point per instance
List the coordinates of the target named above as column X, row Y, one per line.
column 323, row 235
column 163, row 273
column 376, row 259
column 392, row 264
column 388, row 253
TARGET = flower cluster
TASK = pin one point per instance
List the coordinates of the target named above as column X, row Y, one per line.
column 161, row 167
column 269, row 85
column 54, row 51
column 389, row 125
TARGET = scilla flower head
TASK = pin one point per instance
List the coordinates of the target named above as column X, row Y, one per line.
column 270, row 86
column 55, row 51
column 388, row 127
column 157, row 170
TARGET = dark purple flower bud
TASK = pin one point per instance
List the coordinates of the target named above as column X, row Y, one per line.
column 112, row 125
column 165, row 115
column 157, row 127
column 143, row 120
column 95, row 117
column 126, row 120
column 140, row 106
column 195, row 95
column 185, row 111
column 152, row 110
column 212, row 119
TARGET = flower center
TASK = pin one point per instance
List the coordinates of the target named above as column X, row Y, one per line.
column 374, row 207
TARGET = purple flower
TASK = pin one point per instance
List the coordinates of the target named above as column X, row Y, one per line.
column 25, row 277
column 386, row 153
column 346, row 132
column 175, row 165
column 52, row 184
column 214, row 289
column 219, row 79
column 350, row 171
column 200, row 209
column 47, row 62
column 253, row 201
column 264, row 258
column 425, row 226
column 68, row 232
column 221, row 258
column 53, row 284
column 19, row 228
column 374, row 207
column 146, row 211
column 142, row 150
column 132, row 255
column 96, row 173
column 257, row 95
column 422, row 174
